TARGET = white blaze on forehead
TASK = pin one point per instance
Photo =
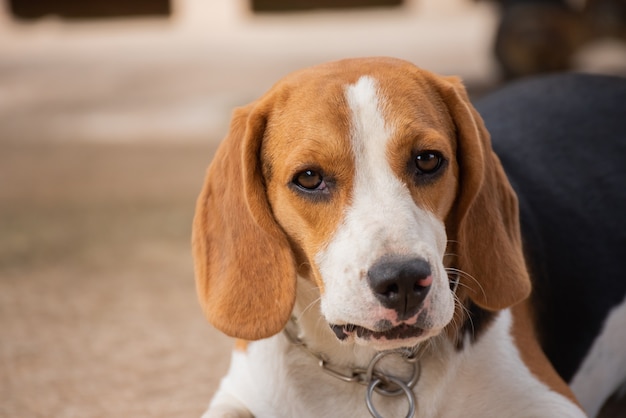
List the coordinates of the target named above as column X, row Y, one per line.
column 369, row 137
column 369, row 133
column 381, row 220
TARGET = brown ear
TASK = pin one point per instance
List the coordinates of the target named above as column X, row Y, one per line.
column 245, row 272
column 485, row 221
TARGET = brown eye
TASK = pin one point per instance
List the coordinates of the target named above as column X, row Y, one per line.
column 428, row 162
column 309, row 180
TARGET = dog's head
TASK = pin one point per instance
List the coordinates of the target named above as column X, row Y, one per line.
column 374, row 180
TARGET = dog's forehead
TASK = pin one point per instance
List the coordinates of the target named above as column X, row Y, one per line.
column 316, row 97
column 393, row 76
column 350, row 70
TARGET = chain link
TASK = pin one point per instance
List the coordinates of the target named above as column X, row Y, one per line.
column 403, row 387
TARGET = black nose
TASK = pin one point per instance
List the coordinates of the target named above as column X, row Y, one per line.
column 400, row 284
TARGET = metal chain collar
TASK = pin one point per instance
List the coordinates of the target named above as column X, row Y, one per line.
column 375, row 380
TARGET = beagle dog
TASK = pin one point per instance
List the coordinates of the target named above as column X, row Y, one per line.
column 359, row 237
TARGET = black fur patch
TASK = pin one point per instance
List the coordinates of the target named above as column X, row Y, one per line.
column 474, row 325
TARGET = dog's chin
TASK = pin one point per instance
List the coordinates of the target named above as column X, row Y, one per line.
column 403, row 335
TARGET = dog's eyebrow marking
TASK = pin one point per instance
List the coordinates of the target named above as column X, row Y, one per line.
column 369, row 133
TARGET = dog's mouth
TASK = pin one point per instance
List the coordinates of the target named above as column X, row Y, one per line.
column 400, row 332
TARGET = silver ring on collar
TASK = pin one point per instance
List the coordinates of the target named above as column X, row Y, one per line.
column 386, row 386
column 403, row 387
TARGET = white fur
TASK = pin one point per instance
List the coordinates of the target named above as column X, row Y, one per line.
column 604, row 367
column 382, row 220
column 493, row 369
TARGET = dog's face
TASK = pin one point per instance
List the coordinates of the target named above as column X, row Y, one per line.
column 364, row 193
column 354, row 175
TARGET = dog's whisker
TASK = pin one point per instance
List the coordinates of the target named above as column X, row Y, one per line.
column 308, row 308
column 467, row 317
column 465, row 286
column 467, row 276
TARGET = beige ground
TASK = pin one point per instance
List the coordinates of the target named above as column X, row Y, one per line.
column 97, row 306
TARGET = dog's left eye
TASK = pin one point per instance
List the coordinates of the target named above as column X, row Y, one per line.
column 428, row 162
column 309, row 180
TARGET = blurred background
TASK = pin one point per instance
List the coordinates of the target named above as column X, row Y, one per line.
column 110, row 112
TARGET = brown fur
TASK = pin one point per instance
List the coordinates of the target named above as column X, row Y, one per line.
column 531, row 352
column 245, row 273
column 484, row 225
column 304, row 135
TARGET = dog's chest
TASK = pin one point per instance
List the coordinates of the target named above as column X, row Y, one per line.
column 488, row 379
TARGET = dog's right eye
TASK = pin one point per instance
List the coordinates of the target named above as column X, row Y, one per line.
column 428, row 162
column 309, row 180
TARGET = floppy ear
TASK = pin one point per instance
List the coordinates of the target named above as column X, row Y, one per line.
column 245, row 271
column 485, row 220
